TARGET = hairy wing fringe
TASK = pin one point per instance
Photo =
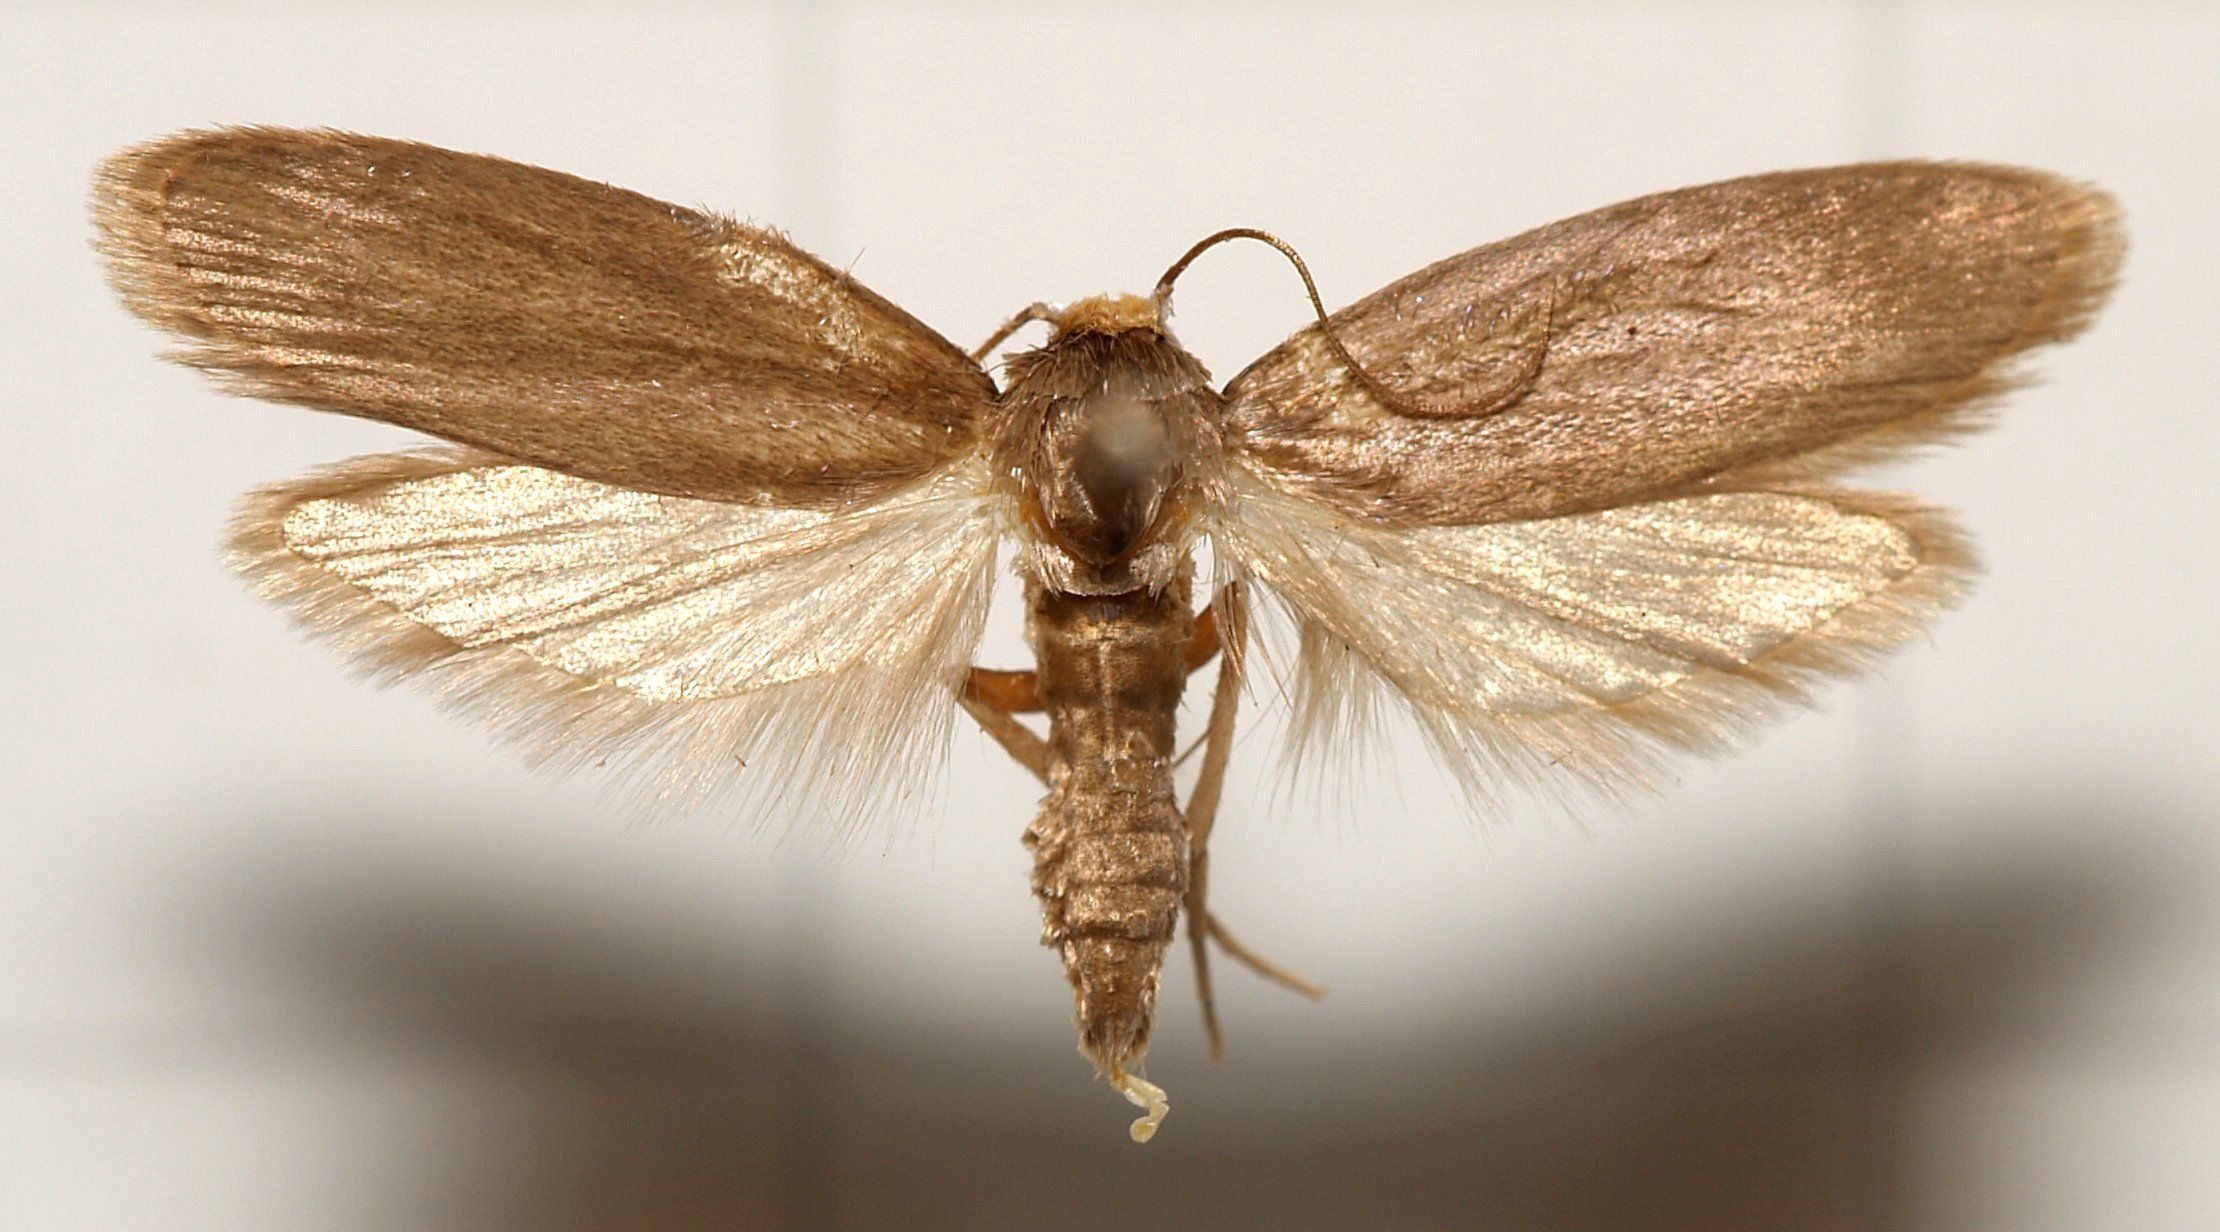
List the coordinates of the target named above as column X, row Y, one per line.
column 2091, row 247
column 1341, row 690
column 848, row 747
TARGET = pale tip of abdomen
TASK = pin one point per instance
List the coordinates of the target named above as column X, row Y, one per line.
column 1145, row 1095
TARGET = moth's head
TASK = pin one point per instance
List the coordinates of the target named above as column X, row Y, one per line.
column 1109, row 314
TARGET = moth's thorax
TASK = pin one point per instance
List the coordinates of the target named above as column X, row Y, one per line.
column 1111, row 439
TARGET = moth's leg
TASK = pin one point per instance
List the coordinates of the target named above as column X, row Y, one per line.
column 1202, row 814
column 1202, row 645
column 1229, row 628
column 1020, row 692
column 1008, row 692
column 990, row 706
column 1025, row 316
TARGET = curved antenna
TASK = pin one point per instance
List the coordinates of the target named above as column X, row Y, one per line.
column 1392, row 399
column 1035, row 311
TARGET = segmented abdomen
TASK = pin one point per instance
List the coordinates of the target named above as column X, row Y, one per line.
column 1109, row 846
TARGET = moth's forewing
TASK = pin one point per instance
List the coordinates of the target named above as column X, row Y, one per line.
column 1792, row 321
column 731, row 514
column 544, row 317
column 1614, row 546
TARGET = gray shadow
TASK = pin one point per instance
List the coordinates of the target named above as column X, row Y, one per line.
column 647, row 1079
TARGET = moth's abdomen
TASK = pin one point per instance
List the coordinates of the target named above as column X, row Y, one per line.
column 1110, row 845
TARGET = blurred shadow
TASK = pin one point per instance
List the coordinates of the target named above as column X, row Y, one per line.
column 637, row 1077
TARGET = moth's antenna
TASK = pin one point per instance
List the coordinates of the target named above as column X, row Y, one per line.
column 1373, row 385
column 1035, row 311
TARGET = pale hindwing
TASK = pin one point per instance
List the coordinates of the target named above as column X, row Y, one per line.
column 809, row 658
column 1586, row 642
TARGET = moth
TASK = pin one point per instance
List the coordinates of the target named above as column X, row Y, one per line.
column 1567, row 500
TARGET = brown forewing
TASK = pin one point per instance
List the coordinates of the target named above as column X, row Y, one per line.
column 1775, row 325
column 549, row 318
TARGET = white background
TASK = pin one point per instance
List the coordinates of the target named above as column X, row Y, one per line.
column 278, row 951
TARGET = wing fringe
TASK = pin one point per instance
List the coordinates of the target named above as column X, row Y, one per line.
column 2091, row 248
column 1340, row 704
column 129, row 201
column 851, row 748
